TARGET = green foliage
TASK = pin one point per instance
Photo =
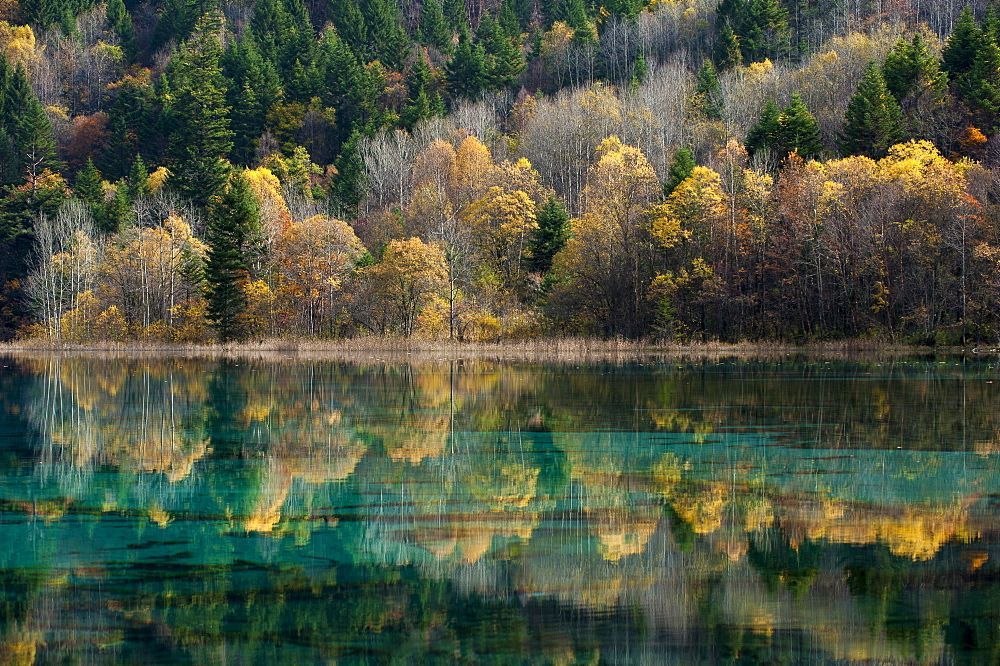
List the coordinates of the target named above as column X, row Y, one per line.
column 388, row 42
column 120, row 22
column 760, row 28
column 88, row 184
column 466, row 71
column 873, row 121
column 680, row 168
column 964, row 42
column 798, row 130
column 765, row 134
column 201, row 139
column 550, row 236
column 707, row 93
column 232, row 223
column 727, row 49
column 502, row 58
column 909, row 67
column 434, row 29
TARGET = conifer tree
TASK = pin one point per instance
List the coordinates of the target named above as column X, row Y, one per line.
column 466, row 71
column 418, row 101
column 873, row 121
column 980, row 88
column 389, row 43
column 88, row 184
column 456, row 14
column 799, row 131
column 138, row 180
column 964, row 42
column 765, row 133
column 707, row 93
column 760, row 26
column 350, row 25
column 549, row 237
column 201, row 138
column 434, row 30
column 911, row 66
column 29, row 128
column 680, row 168
column 252, row 91
column 503, row 61
column 727, row 49
column 120, row 22
column 232, row 222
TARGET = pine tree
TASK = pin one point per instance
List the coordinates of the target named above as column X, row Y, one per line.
column 466, row 71
column 765, row 134
column 707, row 93
column 503, row 61
column 799, row 131
column 873, row 121
column 760, row 26
column 138, row 180
column 201, row 139
column 980, row 88
column 29, row 128
column 727, row 49
column 418, row 102
column 88, row 184
column 232, row 222
column 389, row 43
column 964, row 42
column 350, row 25
column 549, row 237
column 120, row 22
column 909, row 67
column 434, row 30
column 680, row 168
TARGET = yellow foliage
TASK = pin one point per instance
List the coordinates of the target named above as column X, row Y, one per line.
column 158, row 179
column 695, row 208
column 267, row 190
column 17, row 42
column 472, row 169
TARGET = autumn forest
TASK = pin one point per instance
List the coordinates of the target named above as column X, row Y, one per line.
column 480, row 170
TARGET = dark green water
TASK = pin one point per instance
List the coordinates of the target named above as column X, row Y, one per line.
column 175, row 510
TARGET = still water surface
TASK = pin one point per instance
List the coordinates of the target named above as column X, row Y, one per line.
column 184, row 510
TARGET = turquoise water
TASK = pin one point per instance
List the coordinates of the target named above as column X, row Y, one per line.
column 179, row 510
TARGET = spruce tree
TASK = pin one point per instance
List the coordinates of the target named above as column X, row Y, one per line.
column 434, row 29
column 680, row 168
column 909, row 67
column 389, row 43
column 550, row 237
column 765, row 134
column 964, row 42
column 29, row 128
column 232, row 222
column 456, row 14
column 350, row 25
column 138, row 180
column 980, row 88
column 88, row 184
column 201, row 138
column 466, row 71
column 760, row 26
column 418, row 101
column 727, row 49
column 503, row 61
column 873, row 121
column 707, row 93
column 799, row 131
column 120, row 22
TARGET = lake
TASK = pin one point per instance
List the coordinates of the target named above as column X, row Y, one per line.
column 172, row 509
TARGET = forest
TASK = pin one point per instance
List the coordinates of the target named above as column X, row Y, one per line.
column 481, row 170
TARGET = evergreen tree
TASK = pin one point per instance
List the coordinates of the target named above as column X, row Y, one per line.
column 434, row 30
column 980, row 88
column 766, row 133
column 347, row 86
column 873, row 121
column 680, row 168
column 964, row 42
column 350, row 25
column 349, row 183
column 29, row 128
column 911, row 66
column 466, row 71
column 120, row 22
column 760, row 26
column 252, row 90
column 418, row 101
column 503, row 61
column 232, row 222
column 727, row 49
column 389, row 43
column 639, row 71
column 707, row 93
column 88, row 184
column 111, row 217
column 799, row 131
column 456, row 14
column 550, row 237
column 201, row 139
column 138, row 180
column 43, row 13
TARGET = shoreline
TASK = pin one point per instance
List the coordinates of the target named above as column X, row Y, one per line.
column 541, row 350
